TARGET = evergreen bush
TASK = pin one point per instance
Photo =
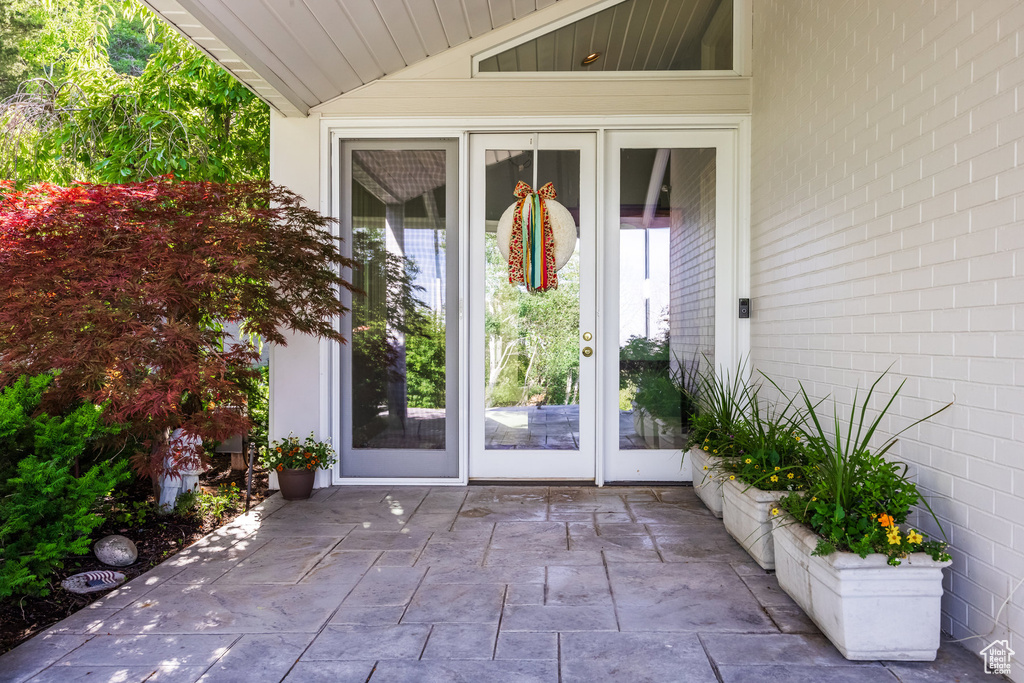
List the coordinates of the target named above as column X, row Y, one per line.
column 46, row 512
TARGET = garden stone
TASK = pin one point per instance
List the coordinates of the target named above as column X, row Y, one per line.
column 116, row 551
column 90, row 582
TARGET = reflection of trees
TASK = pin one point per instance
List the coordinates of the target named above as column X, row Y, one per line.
column 532, row 338
column 386, row 312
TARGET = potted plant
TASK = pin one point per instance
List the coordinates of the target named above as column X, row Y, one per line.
column 844, row 553
column 660, row 408
column 296, row 463
column 770, row 461
column 720, row 404
column 656, row 391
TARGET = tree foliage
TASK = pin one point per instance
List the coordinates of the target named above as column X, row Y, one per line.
column 532, row 338
column 20, row 23
column 122, row 292
column 104, row 107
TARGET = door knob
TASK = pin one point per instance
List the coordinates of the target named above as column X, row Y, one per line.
column 587, row 352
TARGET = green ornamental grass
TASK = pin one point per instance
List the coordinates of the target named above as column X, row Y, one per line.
column 857, row 499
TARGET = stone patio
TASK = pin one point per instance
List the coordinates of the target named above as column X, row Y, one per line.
column 482, row 584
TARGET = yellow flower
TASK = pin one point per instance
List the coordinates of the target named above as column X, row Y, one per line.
column 914, row 537
column 814, row 499
column 777, row 469
column 748, row 461
column 775, row 511
column 705, row 466
column 893, row 536
column 797, row 438
column 789, row 476
column 715, row 451
column 732, row 477
column 774, row 478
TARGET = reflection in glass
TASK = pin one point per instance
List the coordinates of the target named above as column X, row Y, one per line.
column 667, row 289
column 398, row 314
column 531, row 354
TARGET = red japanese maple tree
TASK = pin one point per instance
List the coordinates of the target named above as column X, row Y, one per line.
column 121, row 291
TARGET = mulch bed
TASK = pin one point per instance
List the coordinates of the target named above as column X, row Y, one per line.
column 156, row 538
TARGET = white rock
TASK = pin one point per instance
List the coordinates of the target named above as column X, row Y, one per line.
column 116, row 551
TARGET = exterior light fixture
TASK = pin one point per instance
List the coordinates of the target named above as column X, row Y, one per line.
column 591, row 58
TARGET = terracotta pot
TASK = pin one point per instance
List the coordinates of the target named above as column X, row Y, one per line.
column 296, row 484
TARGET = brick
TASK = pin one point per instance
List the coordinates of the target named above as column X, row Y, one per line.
column 935, row 275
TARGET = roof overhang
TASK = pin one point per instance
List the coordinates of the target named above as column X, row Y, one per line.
column 297, row 54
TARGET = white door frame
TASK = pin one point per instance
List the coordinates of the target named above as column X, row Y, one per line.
column 522, row 464
column 384, row 458
column 731, row 338
column 735, row 127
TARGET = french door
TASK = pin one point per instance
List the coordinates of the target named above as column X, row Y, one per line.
column 399, row 402
column 533, row 355
column 671, row 266
column 454, row 373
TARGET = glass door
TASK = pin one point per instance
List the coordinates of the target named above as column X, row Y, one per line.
column 398, row 413
column 533, row 354
column 669, row 280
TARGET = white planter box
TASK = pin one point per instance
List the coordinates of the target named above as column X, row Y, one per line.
column 707, row 479
column 747, row 513
column 867, row 608
column 655, row 432
column 670, row 433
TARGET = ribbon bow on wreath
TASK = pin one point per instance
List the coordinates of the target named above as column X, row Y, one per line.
column 531, row 257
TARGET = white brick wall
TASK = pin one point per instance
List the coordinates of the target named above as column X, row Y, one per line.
column 888, row 227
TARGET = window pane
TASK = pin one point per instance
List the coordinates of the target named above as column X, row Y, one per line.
column 635, row 35
column 667, row 289
column 398, row 344
column 531, row 352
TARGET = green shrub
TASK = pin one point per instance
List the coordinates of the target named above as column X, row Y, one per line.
column 205, row 504
column 46, row 513
column 660, row 396
column 856, row 499
column 722, row 403
column 257, row 399
column 425, row 365
column 17, row 404
column 770, row 445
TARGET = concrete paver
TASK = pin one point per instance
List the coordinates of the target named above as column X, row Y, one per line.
column 481, row 583
column 461, row 641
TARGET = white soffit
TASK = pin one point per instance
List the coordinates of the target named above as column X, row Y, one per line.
column 296, row 54
column 626, row 35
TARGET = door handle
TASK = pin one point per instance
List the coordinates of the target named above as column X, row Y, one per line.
column 587, row 352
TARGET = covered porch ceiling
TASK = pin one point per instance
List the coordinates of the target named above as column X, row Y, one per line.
column 297, row 54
